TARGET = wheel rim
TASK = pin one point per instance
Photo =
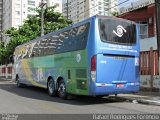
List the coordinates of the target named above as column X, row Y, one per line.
column 50, row 86
column 62, row 89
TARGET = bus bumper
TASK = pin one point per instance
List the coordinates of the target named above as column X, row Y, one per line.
column 108, row 89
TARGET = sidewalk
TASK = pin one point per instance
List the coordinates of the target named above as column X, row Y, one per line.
column 4, row 79
column 142, row 97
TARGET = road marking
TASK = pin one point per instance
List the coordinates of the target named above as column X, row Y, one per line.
column 50, row 107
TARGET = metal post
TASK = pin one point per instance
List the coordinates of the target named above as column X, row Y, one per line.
column 42, row 16
column 151, row 67
column 67, row 9
column 42, row 22
column 157, row 11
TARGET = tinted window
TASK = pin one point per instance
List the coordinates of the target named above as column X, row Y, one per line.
column 69, row 40
column 117, row 31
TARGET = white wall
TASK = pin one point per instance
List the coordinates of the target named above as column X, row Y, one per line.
column 145, row 44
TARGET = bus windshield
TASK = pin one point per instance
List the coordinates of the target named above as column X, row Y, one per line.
column 117, row 31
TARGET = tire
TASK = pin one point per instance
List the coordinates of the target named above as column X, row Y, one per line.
column 62, row 90
column 51, row 88
column 19, row 85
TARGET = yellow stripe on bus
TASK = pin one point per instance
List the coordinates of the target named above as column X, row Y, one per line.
column 27, row 72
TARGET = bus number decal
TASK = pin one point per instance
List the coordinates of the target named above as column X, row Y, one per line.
column 136, row 61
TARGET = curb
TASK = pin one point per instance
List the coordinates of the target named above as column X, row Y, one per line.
column 141, row 101
column 4, row 79
column 150, row 102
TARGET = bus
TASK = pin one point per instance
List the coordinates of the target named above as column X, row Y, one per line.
column 96, row 57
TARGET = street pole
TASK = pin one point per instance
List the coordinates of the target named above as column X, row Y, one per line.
column 67, row 9
column 42, row 21
column 157, row 11
column 42, row 16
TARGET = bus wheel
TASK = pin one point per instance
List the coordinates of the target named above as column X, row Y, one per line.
column 20, row 85
column 62, row 90
column 51, row 88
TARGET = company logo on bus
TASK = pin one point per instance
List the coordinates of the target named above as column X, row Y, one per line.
column 120, row 31
column 78, row 57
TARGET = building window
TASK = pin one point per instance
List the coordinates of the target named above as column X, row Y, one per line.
column 17, row 12
column 17, row 20
column 30, row 9
column 99, row 3
column 17, row 5
column 30, row 2
column 57, row 4
column 143, row 27
column 99, row 8
column 99, row 13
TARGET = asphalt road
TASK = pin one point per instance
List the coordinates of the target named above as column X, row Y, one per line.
column 31, row 100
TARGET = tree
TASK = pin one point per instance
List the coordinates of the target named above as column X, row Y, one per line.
column 115, row 13
column 3, row 53
column 31, row 29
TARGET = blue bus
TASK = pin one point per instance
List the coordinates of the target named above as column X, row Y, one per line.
column 96, row 57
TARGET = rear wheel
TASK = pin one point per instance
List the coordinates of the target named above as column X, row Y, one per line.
column 51, row 88
column 62, row 90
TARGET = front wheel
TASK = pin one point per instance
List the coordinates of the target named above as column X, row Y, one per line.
column 19, row 85
column 62, row 90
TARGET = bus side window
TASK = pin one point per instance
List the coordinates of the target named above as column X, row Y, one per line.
column 33, row 53
column 36, row 49
column 42, row 47
column 45, row 48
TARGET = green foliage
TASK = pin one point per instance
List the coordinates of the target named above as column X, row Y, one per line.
column 115, row 13
column 31, row 29
column 3, row 53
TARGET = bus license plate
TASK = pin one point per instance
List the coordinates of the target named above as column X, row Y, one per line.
column 120, row 85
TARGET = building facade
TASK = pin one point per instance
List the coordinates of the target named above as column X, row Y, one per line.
column 143, row 13
column 1, row 16
column 57, row 3
column 78, row 10
column 16, row 11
